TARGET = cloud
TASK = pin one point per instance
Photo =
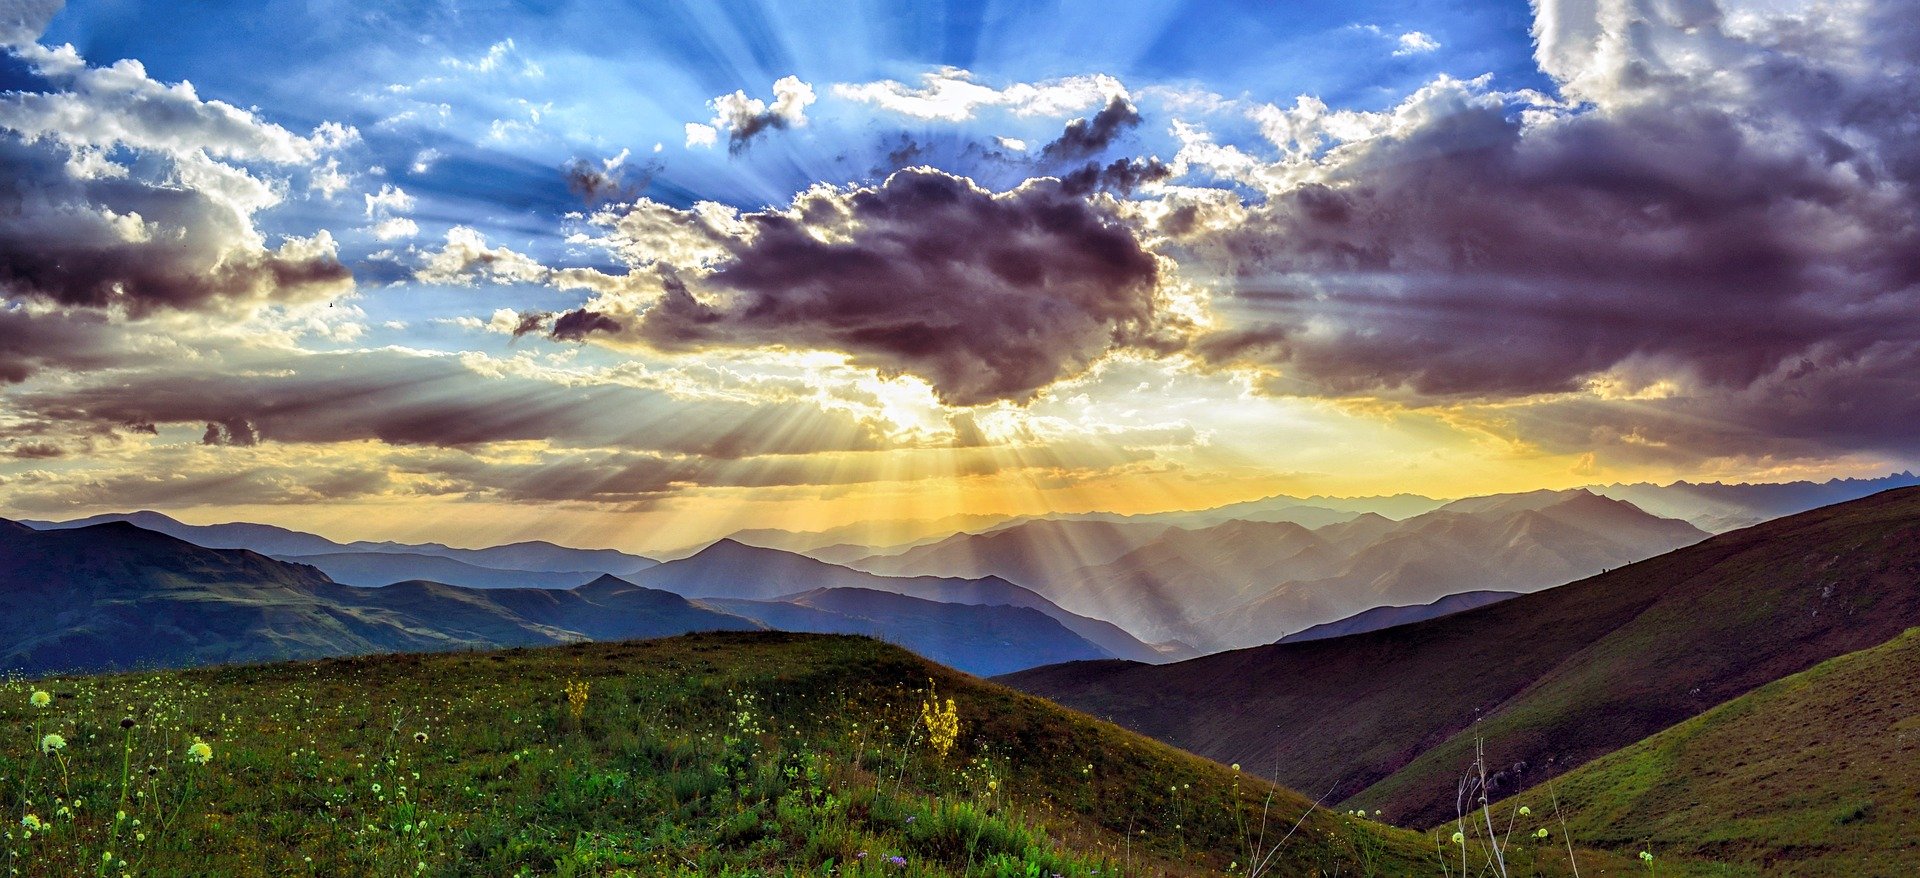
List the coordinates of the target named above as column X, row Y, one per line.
column 409, row 399
column 1086, row 138
column 951, row 94
column 744, row 118
column 23, row 21
column 501, row 56
column 578, row 324
column 1120, row 175
column 1731, row 211
column 395, row 228
column 79, row 341
column 466, row 259
column 607, row 180
column 1414, row 43
column 170, row 229
column 986, row 296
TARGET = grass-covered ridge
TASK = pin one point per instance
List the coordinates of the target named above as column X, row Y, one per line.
column 1813, row 774
column 720, row 754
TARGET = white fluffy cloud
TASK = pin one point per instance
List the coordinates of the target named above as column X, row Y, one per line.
column 139, row 195
column 952, row 94
column 743, row 117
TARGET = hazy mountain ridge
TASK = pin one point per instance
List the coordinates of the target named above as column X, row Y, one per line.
column 114, row 595
column 533, row 556
column 1550, row 680
column 1243, row 583
column 731, row 569
column 372, row 569
column 1717, row 507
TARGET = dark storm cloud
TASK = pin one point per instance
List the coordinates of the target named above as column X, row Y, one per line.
column 272, row 483
column 405, row 399
column 597, row 183
column 1121, row 176
column 531, row 321
column 76, row 341
column 121, row 241
column 577, row 325
column 986, row 296
column 1753, row 236
column 1086, row 138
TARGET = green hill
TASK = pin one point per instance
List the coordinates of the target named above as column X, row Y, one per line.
column 1815, row 774
column 719, row 754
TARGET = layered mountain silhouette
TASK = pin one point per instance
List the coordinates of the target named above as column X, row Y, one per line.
column 1717, row 507
column 977, row 637
column 732, row 569
column 1244, row 583
column 1548, row 680
column 113, row 595
column 412, row 561
column 371, row 569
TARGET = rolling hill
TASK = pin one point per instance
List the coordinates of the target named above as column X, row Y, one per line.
column 721, row 754
column 1813, row 774
column 1550, row 680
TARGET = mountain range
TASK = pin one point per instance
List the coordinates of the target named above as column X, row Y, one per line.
column 365, row 562
column 1547, row 681
column 114, row 595
column 1244, row 583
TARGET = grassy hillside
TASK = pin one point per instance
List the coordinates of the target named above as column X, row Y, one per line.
column 1814, row 774
column 1549, row 680
column 722, row 754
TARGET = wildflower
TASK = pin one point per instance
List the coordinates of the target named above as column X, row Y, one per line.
column 1526, row 811
column 126, row 722
column 52, row 743
column 1646, row 857
column 1459, row 838
column 200, row 753
column 1236, row 767
column 40, row 698
column 32, row 821
column 420, row 737
column 577, row 692
column 1540, row 833
column 897, row 860
column 943, row 724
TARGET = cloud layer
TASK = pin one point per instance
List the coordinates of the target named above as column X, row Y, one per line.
column 987, row 296
column 1727, row 215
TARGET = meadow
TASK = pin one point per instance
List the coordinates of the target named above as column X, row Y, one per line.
column 715, row 754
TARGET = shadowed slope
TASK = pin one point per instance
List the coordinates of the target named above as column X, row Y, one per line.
column 1551, row 680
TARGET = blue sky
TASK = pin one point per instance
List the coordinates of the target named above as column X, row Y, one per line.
column 628, row 76
column 682, row 267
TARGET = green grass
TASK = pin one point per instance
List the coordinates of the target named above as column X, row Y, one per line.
column 719, row 754
column 1813, row 774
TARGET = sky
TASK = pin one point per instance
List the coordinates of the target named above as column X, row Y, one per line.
column 638, row 275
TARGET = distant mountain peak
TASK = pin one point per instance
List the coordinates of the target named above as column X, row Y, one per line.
column 606, row 581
